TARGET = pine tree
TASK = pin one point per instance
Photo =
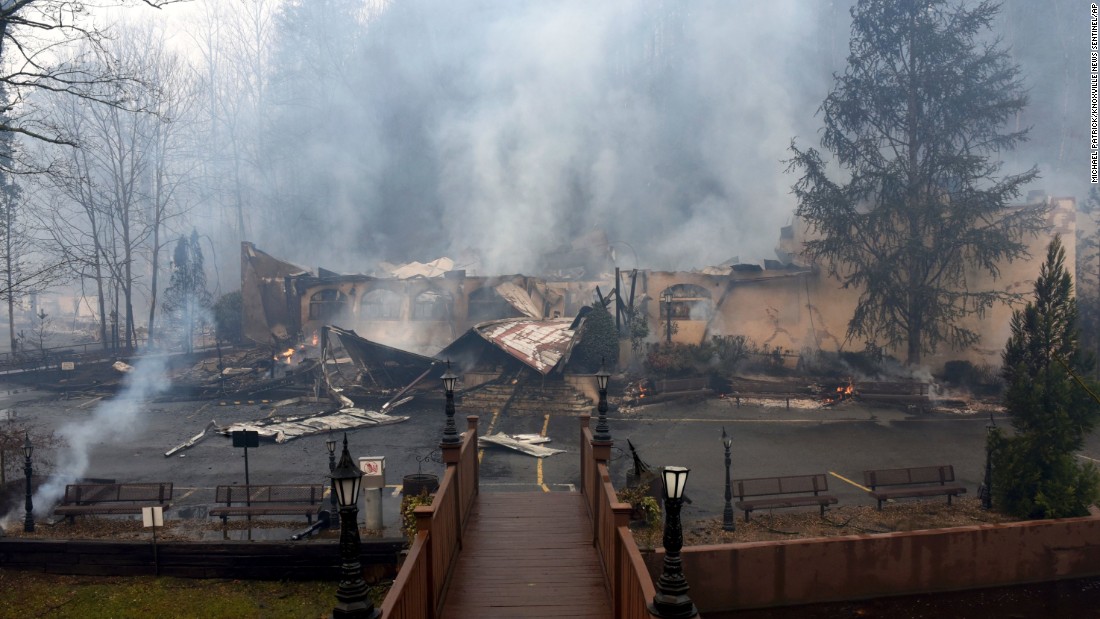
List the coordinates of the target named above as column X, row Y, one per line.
column 916, row 124
column 599, row 343
column 1036, row 472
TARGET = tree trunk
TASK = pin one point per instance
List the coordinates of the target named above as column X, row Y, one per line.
column 10, row 283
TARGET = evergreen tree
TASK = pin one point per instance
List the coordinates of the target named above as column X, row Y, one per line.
column 1088, row 273
column 915, row 124
column 227, row 318
column 1036, row 472
column 599, row 342
column 187, row 300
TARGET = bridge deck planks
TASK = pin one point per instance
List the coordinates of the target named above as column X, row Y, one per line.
column 527, row 555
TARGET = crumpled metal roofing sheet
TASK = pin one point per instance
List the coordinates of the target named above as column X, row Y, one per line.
column 518, row 298
column 540, row 344
column 283, row 430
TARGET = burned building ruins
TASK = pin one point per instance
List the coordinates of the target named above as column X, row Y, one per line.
column 428, row 308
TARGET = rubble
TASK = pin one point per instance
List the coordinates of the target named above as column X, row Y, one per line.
column 530, row 444
column 285, row 429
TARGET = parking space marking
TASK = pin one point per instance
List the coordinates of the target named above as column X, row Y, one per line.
column 843, row 478
column 538, row 465
column 1088, row 458
column 488, row 431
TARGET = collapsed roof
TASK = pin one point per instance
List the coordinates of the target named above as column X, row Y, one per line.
column 542, row 345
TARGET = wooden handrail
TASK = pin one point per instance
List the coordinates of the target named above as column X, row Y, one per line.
column 631, row 586
column 417, row 592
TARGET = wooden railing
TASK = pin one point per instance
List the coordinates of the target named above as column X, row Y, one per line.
column 417, row 592
column 629, row 582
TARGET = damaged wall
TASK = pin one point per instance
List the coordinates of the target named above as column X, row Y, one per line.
column 782, row 306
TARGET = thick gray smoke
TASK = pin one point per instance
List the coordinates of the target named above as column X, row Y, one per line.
column 510, row 128
column 111, row 423
column 408, row 129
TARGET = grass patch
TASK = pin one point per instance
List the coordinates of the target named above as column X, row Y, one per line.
column 34, row 594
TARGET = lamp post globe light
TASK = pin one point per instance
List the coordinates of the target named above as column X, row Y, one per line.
column 28, row 450
column 727, row 511
column 352, row 599
column 671, row 600
column 667, row 298
column 330, row 444
column 450, row 432
column 603, row 433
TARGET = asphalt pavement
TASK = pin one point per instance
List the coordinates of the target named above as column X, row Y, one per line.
column 841, row 441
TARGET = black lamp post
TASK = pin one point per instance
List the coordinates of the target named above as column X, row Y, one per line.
column 671, row 600
column 727, row 511
column 603, row 433
column 28, row 449
column 352, row 600
column 667, row 298
column 986, row 492
column 450, row 433
column 330, row 444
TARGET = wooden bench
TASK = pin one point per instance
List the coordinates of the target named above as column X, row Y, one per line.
column 128, row 498
column 790, row 485
column 914, row 482
column 271, row 499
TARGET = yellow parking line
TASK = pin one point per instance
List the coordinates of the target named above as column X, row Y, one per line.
column 488, row 430
column 843, row 478
column 538, row 466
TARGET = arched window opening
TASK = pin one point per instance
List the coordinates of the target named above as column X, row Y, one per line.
column 432, row 305
column 689, row 302
column 327, row 305
column 382, row 305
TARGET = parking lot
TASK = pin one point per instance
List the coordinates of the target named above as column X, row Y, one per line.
column 768, row 441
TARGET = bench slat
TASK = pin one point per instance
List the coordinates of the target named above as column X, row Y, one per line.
column 268, row 500
column 813, row 485
column 915, row 482
column 764, row 486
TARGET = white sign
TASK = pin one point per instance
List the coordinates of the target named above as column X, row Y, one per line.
column 68, row 366
column 373, row 466
column 152, row 516
column 374, row 471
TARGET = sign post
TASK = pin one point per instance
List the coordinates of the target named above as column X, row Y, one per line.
column 153, row 517
column 246, row 439
column 374, row 480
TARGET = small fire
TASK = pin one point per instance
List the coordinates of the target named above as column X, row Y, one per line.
column 285, row 355
column 314, row 340
column 843, row 392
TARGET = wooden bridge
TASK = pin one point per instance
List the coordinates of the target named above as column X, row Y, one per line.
column 522, row 554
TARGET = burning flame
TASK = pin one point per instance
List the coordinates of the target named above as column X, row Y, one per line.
column 285, row 355
column 843, row 392
column 314, row 339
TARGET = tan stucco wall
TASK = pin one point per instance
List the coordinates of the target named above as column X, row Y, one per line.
column 811, row 311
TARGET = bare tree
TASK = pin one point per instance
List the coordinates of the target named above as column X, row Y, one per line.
column 234, row 45
column 117, row 192
column 30, row 31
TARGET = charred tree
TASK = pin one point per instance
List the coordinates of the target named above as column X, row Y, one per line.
column 915, row 124
column 187, row 300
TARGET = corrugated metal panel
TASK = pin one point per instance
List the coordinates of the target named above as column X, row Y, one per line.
column 518, row 298
column 540, row 344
